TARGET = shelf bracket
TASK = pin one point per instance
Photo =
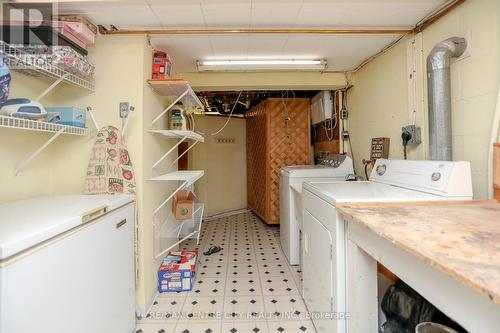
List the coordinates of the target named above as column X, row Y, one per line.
column 37, row 152
column 169, row 107
column 184, row 184
column 52, row 86
column 91, row 113
column 184, row 152
column 169, row 152
column 125, row 126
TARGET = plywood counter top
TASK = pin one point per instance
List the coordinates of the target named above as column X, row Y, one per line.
column 461, row 240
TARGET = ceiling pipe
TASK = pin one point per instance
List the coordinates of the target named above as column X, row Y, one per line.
column 439, row 96
column 104, row 31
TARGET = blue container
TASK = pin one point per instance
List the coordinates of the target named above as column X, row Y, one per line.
column 66, row 115
column 4, row 81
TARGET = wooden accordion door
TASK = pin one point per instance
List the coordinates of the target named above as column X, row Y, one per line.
column 278, row 134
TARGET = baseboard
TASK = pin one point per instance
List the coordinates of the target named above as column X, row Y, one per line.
column 142, row 312
column 225, row 214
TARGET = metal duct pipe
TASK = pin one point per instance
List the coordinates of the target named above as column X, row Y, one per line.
column 439, row 95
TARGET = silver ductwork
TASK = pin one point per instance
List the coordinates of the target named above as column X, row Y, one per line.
column 439, row 96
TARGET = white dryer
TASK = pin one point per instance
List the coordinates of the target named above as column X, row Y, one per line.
column 323, row 230
column 292, row 178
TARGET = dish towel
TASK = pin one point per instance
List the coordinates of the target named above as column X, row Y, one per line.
column 110, row 169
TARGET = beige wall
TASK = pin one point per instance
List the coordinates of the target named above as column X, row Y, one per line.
column 16, row 145
column 224, row 186
column 122, row 65
column 381, row 101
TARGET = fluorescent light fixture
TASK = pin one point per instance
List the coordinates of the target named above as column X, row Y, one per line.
column 262, row 65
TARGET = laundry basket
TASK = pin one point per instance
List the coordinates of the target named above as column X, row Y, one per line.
column 428, row 327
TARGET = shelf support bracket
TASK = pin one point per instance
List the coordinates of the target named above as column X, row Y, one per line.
column 184, row 152
column 169, row 152
column 169, row 107
column 184, row 184
column 125, row 126
column 52, row 86
column 37, row 152
column 96, row 125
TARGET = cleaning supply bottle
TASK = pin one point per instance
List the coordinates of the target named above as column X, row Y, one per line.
column 4, row 81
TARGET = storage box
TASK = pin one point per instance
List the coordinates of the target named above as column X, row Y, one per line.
column 66, row 115
column 176, row 276
column 182, row 206
column 162, row 65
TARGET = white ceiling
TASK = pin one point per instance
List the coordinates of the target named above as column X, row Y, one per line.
column 343, row 52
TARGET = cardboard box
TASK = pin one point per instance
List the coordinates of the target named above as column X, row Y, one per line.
column 182, row 205
column 162, row 65
column 175, row 276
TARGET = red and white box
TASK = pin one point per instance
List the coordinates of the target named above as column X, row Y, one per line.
column 162, row 65
column 177, row 275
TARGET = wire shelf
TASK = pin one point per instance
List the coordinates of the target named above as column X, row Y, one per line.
column 19, row 60
column 40, row 126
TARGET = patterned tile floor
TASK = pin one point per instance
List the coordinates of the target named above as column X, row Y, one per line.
column 248, row 287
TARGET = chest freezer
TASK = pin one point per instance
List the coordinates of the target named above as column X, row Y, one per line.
column 67, row 264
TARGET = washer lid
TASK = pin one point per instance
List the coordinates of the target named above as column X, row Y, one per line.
column 322, row 171
column 28, row 222
column 367, row 191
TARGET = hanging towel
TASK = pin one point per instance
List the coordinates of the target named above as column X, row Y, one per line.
column 110, row 169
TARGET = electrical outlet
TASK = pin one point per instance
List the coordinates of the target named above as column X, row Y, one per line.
column 416, row 134
column 344, row 114
column 345, row 135
column 124, row 109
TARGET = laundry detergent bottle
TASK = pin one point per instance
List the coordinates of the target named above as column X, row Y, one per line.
column 4, row 81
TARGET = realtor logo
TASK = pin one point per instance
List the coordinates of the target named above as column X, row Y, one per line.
column 28, row 23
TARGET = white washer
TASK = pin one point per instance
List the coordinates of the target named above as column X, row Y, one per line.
column 291, row 181
column 324, row 245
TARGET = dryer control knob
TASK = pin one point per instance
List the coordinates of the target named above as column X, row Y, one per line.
column 381, row 169
column 436, row 176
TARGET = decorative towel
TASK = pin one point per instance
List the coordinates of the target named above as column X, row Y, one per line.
column 110, row 169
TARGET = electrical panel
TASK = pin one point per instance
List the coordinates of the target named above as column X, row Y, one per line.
column 322, row 106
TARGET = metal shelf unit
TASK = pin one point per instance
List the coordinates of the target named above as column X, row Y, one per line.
column 182, row 136
column 21, row 61
column 178, row 134
column 184, row 230
column 176, row 91
column 40, row 126
column 185, row 179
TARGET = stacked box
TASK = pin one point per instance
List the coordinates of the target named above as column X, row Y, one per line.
column 177, row 271
column 162, row 65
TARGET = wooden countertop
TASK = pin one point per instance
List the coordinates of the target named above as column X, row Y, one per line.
column 459, row 239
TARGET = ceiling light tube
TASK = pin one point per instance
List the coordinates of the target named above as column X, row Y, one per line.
column 262, row 65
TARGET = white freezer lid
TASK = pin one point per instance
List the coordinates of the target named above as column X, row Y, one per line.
column 28, row 222
column 367, row 191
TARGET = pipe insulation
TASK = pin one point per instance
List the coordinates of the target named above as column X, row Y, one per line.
column 439, row 96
